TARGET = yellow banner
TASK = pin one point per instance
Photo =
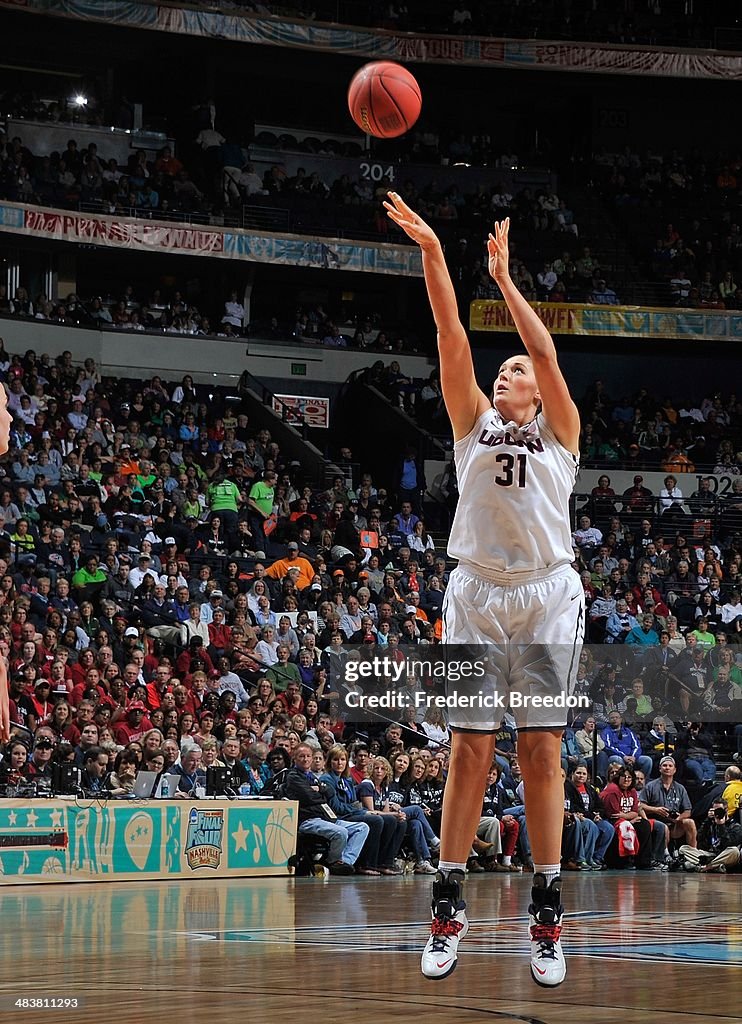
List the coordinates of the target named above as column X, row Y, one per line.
column 616, row 321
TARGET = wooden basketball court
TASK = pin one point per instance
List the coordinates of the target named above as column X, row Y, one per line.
column 646, row 947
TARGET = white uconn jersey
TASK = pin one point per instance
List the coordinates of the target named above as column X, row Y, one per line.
column 514, row 490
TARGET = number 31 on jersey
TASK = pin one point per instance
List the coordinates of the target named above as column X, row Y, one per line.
column 511, row 469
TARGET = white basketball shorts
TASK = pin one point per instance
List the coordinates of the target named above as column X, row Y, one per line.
column 530, row 632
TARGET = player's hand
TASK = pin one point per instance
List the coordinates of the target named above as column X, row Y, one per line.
column 411, row 223
column 498, row 261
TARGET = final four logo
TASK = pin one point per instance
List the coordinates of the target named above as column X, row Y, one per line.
column 203, row 847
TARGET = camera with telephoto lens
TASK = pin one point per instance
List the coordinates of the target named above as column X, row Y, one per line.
column 720, row 813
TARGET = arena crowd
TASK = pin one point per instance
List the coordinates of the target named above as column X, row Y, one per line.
column 175, row 594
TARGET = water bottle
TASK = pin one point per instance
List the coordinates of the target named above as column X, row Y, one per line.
column 245, row 789
column 165, row 789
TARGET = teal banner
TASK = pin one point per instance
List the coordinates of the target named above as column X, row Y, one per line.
column 326, row 255
column 62, row 841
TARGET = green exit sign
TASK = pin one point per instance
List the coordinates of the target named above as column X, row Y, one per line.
column 298, row 369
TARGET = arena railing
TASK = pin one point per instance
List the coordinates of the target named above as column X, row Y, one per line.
column 691, row 523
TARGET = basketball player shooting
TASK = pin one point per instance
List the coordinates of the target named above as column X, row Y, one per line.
column 513, row 590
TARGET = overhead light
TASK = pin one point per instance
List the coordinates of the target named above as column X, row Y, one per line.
column 79, row 100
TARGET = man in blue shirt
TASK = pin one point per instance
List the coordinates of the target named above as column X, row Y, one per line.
column 191, row 773
column 406, row 519
column 411, row 480
column 622, row 745
column 603, row 296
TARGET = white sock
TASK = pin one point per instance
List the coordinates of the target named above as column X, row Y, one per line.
column 445, row 866
column 507, row 860
column 550, row 871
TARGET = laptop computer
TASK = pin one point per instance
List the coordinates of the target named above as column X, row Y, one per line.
column 144, row 785
column 167, row 787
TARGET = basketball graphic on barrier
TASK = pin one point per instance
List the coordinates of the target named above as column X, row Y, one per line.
column 52, row 866
column 279, row 835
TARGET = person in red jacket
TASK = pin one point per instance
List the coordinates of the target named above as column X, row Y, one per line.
column 85, row 661
column 621, row 803
column 134, row 725
column 220, row 635
column 90, row 681
column 194, row 658
column 642, row 587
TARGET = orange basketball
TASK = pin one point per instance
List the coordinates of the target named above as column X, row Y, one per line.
column 384, row 99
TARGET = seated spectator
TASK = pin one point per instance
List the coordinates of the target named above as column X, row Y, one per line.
column 94, row 771
column 666, row 800
column 621, row 802
column 622, row 745
column 286, row 680
column 643, row 710
column 279, row 569
column 602, row 295
column 587, row 538
column 316, row 817
column 585, row 738
column 491, row 830
column 234, row 313
column 250, row 182
column 694, row 750
column 705, row 639
column 15, row 767
column 229, row 758
column 620, row 624
column 191, row 775
column 581, row 832
column 658, row 741
column 644, row 635
column 124, row 774
column 334, row 338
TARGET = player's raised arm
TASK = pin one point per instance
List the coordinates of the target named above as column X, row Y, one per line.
column 560, row 411
column 465, row 401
